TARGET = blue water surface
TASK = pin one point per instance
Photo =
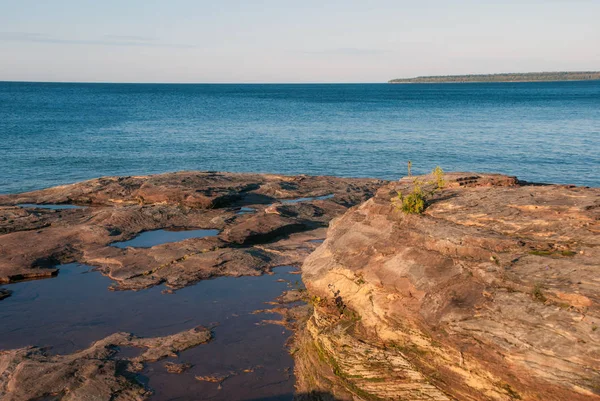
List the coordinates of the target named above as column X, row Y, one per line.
column 148, row 239
column 53, row 134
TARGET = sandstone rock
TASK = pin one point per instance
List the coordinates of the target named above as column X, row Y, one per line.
column 196, row 189
column 177, row 368
column 35, row 241
column 96, row 373
column 491, row 294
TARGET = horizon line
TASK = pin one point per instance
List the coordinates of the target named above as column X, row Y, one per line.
column 192, row 83
column 299, row 82
column 275, row 83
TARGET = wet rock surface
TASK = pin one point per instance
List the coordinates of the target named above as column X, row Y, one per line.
column 4, row 293
column 33, row 241
column 491, row 294
column 96, row 373
column 177, row 368
column 42, row 242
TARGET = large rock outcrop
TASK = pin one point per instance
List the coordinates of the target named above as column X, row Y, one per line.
column 492, row 293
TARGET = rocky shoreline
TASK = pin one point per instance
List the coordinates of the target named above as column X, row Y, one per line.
column 490, row 294
column 261, row 222
column 278, row 232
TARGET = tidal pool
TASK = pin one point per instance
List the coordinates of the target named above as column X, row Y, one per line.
column 76, row 308
column 308, row 199
column 148, row 239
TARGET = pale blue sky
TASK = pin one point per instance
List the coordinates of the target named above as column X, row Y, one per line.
column 285, row 41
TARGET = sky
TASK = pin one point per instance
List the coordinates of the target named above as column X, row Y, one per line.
column 276, row 41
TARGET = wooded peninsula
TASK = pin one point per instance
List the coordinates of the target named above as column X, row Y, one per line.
column 504, row 77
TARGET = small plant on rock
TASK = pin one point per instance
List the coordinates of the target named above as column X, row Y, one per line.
column 413, row 203
column 538, row 293
column 416, row 201
column 438, row 175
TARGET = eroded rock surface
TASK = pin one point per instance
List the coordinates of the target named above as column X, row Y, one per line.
column 177, row 368
column 491, row 294
column 34, row 241
column 97, row 373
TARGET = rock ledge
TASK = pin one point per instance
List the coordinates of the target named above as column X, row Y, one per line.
column 491, row 294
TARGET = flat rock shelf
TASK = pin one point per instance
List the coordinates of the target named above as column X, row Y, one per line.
column 128, row 299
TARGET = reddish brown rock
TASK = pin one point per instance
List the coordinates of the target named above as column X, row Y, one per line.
column 197, row 189
column 35, row 240
column 177, row 368
column 491, row 294
column 96, row 373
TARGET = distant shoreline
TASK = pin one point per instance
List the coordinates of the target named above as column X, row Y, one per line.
column 417, row 80
column 504, row 77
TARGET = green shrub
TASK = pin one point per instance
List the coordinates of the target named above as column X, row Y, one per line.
column 438, row 175
column 416, row 201
column 413, row 203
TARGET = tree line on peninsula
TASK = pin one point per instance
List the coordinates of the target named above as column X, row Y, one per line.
column 504, row 77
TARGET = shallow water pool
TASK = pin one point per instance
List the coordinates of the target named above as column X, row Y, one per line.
column 76, row 308
column 148, row 239
column 308, row 199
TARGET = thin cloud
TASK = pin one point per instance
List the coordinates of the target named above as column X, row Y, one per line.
column 109, row 40
column 348, row 51
column 130, row 37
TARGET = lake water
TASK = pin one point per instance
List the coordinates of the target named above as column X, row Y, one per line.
column 52, row 134
column 61, row 133
column 76, row 308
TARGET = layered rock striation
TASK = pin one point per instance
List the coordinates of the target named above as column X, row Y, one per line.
column 492, row 293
